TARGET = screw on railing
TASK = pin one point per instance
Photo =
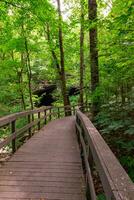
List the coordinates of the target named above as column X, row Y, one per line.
column 29, row 130
column 13, row 129
column 39, row 121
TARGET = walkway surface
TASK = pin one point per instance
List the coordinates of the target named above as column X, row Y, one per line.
column 46, row 167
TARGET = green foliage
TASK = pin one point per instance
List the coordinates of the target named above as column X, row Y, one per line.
column 27, row 20
column 116, row 125
column 128, row 163
column 101, row 197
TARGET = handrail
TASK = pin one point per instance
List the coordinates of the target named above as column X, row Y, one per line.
column 116, row 183
column 9, row 118
column 44, row 114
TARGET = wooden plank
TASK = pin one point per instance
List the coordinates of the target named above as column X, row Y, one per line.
column 47, row 166
column 37, row 196
column 23, row 174
column 39, row 189
column 41, row 184
column 42, row 165
column 42, row 179
column 43, row 172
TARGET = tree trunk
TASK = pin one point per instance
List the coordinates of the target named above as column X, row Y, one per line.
column 57, row 65
column 92, row 5
column 29, row 71
column 21, row 83
column 63, row 78
column 29, row 74
column 21, row 91
column 52, row 51
column 81, row 53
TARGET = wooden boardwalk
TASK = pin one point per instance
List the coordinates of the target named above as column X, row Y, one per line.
column 46, row 167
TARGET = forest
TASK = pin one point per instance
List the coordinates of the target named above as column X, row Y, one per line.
column 55, row 53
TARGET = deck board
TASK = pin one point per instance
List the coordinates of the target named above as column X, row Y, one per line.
column 46, row 167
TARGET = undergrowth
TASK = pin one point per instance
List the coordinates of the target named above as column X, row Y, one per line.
column 116, row 124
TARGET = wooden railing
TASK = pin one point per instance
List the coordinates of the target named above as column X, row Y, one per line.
column 97, row 156
column 32, row 120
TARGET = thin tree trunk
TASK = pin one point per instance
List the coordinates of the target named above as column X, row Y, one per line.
column 81, row 53
column 54, row 56
column 92, row 5
column 21, row 91
column 21, row 83
column 52, row 51
column 29, row 74
column 63, row 78
column 29, row 71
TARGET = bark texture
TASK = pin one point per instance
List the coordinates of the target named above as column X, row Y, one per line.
column 92, row 5
column 82, row 53
column 62, row 63
column 28, row 65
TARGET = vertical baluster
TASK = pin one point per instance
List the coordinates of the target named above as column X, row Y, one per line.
column 90, row 159
column 86, row 107
column 73, row 110
column 45, row 116
column 58, row 112
column 39, row 120
column 50, row 114
column 13, row 129
column 29, row 130
column 65, row 111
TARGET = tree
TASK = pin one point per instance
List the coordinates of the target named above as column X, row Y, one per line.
column 82, row 52
column 28, row 65
column 92, row 14
column 63, row 78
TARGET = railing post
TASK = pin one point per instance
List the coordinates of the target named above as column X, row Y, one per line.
column 29, row 121
column 13, row 129
column 86, row 107
column 33, row 117
column 45, row 116
column 65, row 112
column 50, row 114
column 39, row 120
column 73, row 110
column 68, row 110
column 90, row 159
column 58, row 112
